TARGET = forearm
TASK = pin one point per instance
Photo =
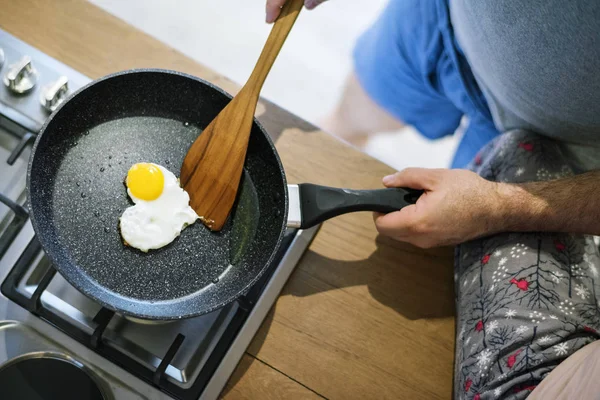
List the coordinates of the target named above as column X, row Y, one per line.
column 565, row 205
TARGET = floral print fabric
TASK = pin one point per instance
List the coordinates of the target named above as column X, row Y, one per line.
column 525, row 301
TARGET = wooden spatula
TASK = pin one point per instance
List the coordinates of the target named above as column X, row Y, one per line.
column 213, row 166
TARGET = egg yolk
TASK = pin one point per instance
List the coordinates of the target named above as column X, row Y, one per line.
column 146, row 181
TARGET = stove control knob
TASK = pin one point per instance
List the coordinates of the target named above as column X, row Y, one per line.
column 54, row 93
column 21, row 76
column 1, row 58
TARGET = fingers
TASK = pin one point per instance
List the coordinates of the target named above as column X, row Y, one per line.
column 406, row 223
column 415, row 178
column 273, row 9
column 397, row 224
column 405, row 226
column 310, row 4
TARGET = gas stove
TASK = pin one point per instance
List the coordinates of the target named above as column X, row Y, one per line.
column 49, row 332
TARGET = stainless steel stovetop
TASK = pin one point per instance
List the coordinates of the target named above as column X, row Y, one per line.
column 41, row 315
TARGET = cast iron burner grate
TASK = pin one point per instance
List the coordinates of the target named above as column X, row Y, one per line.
column 20, row 213
column 15, row 225
column 94, row 341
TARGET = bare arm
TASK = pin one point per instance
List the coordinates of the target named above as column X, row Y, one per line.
column 459, row 205
column 564, row 205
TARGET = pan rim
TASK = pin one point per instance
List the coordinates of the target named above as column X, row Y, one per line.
column 44, row 241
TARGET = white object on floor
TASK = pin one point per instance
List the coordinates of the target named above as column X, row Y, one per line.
column 228, row 35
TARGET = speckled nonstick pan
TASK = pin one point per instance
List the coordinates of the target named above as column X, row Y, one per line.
column 76, row 196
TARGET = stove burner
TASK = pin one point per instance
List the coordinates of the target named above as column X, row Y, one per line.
column 47, row 377
column 97, row 339
column 184, row 360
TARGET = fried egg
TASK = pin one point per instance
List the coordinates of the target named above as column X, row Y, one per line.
column 161, row 208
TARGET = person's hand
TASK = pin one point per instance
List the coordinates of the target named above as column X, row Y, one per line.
column 458, row 205
column 274, row 6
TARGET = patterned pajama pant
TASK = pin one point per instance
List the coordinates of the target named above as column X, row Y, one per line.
column 525, row 301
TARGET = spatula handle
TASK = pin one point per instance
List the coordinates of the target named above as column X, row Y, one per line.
column 279, row 33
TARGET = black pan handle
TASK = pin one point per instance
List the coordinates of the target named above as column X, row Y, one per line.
column 312, row 204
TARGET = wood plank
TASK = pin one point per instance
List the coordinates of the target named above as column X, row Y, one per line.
column 363, row 316
column 253, row 379
column 405, row 293
column 352, row 341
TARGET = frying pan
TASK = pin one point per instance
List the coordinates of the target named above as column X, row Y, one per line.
column 76, row 196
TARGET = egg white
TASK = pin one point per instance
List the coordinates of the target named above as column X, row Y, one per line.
column 156, row 223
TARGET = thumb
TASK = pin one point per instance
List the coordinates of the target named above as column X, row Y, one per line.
column 414, row 178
